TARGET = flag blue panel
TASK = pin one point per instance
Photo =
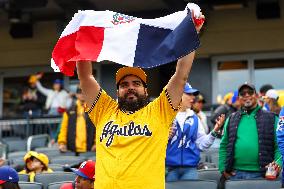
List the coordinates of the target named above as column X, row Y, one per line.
column 157, row 46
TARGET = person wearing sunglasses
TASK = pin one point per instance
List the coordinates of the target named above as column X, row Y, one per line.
column 249, row 142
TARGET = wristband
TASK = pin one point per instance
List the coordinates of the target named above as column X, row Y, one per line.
column 214, row 134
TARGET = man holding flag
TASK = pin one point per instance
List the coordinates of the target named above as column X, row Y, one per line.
column 132, row 133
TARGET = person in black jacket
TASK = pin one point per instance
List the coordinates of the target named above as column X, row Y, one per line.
column 77, row 132
column 230, row 106
column 249, row 144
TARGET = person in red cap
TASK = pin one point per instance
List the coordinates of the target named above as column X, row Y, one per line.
column 8, row 178
column 85, row 176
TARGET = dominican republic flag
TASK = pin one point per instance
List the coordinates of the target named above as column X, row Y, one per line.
column 130, row 41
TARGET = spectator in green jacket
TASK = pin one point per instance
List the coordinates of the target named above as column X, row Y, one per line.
column 249, row 143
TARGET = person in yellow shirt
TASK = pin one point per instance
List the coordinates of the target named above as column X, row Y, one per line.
column 35, row 163
column 131, row 133
column 77, row 132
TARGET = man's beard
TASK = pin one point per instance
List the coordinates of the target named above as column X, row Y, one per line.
column 132, row 106
column 249, row 105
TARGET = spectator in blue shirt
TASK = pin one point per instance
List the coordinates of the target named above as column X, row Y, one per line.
column 187, row 139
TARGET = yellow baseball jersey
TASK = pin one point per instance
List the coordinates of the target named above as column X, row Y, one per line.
column 131, row 148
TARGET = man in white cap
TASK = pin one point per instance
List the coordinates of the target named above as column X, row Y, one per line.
column 188, row 139
column 271, row 99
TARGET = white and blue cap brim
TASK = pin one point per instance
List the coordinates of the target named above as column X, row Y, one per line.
column 77, row 172
column 189, row 90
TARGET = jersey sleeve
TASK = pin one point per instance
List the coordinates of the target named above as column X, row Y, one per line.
column 102, row 104
column 163, row 108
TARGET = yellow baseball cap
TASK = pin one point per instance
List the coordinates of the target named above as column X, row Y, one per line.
column 40, row 156
column 122, row 72
column 32, row 79
column 227, row 97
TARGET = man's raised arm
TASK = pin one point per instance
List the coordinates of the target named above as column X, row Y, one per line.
column 176, row 84
column 178, row 80
column 88, row 83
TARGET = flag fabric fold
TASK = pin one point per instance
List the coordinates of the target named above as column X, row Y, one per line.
column 127, row 40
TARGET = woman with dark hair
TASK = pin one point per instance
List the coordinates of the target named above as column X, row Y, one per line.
column 8, row 178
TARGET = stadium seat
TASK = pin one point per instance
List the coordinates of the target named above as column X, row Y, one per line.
column 57, row 185
column 92, row 158
column 46, row 149
column 192, row 184
column 17, row 158
column 36, row 141
column 19, row 154
column 209, row 174
column 19, row 161
column 56, row 167
column 49, row 151
column 53, row 152
column 67, row 160
column 252, row 184
column 87, row 154
column 67, row 153
column 16, row 145
column 207, row 165
column 30, row 185
column 47, row 178
column 24, row 177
